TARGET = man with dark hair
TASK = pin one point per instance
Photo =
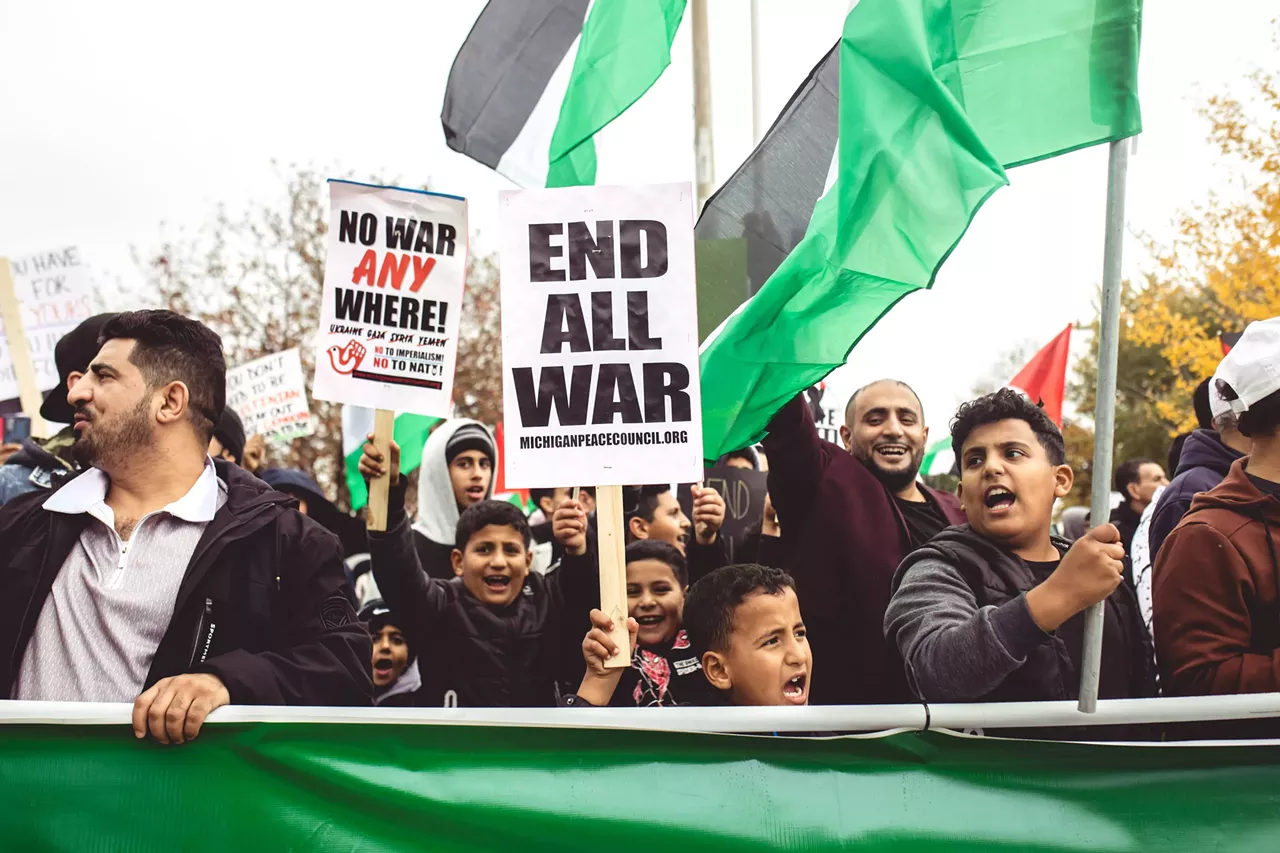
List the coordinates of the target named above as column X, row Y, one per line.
column 47, row 464
column 160, row 576
column 228, row 437
column 1137, row 481
column 847, row 518
column 1217, row 607
column 993, row 610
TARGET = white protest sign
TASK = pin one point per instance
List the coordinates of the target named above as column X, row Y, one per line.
column 270, row 396
column 393, row 282
column 600, row 336
column 55, row 294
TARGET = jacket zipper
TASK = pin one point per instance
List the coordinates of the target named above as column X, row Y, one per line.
column 203, row 638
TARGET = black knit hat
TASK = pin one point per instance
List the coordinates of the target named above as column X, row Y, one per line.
column 230, row 433
column 378, row 616
column 469, row 437
column 72, row 354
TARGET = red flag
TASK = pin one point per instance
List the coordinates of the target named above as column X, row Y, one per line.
column 1044, row 379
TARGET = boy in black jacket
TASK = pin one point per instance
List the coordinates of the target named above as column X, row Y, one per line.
column 992, row 610
column 491, row 635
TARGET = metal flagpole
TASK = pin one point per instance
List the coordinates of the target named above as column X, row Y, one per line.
column 703, row 153
column 757, row 112
column 1104, row 422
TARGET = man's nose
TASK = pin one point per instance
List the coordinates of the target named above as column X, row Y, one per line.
column 80, row 391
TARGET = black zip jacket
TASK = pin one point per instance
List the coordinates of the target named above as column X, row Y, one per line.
column 264, row 603
column 472, row 654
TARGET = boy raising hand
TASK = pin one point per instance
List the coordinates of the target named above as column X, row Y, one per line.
column 992, row 610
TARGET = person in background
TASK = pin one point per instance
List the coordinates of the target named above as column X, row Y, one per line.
column 664, row 671
column 848, row 516
column 396, row 679
column 228, row 439
column 1137, row 481
column 993, row 610
column 652, row 512
column 547, row 552
column 1204, row 420
column 747, row 458
column 313, row 503
column 1217, row 606
column 1075, row 522
column 457, row 468
column 255, row 454
column 45, row 465
column 159, row 576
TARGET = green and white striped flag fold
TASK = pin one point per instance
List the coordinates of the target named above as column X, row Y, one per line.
column 535, row 80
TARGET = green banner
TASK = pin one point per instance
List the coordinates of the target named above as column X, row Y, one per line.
column 319, row 787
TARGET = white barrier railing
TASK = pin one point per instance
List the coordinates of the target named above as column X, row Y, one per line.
column 817, row 718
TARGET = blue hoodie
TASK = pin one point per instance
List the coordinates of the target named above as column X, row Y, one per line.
column 1204, row 463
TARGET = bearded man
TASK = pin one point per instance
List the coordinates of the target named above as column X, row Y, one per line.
column 848, row 517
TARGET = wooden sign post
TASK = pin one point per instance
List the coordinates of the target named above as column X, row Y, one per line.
column 20, row 351
column 384, row 423
column 611, row 539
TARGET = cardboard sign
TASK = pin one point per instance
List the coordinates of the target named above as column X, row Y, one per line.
column 600, row 336
column 55, row 293
column 743, row 491
column 393, row 283
column 270, row 396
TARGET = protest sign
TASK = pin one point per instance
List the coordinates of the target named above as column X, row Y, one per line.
column 393, row 283
column 600, row 336
column 54, row 293
column 270, row 396
column 743, row 490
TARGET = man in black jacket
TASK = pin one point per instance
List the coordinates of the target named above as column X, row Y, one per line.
column 159, row 576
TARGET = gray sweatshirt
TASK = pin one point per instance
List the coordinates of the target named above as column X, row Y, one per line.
column 953, row 650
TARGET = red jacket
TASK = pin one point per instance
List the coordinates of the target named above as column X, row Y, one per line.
column 844, row 536
column 1217, row 615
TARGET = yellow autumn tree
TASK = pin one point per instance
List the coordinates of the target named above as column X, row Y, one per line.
column 1222, row 271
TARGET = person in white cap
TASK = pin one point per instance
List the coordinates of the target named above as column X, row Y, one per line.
column 1217, row 606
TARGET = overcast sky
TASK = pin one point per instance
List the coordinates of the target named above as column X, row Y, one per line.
column 120, row 116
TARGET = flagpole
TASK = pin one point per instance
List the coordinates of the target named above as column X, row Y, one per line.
column 1104, row 421
column 703, row 153
column 757, row 111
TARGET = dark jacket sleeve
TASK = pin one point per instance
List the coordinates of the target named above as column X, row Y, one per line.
column 705, row 559
column 321, row 652
column 416, row 599
column 797, row 462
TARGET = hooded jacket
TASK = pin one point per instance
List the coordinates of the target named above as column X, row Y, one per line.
column 1217, row 616
column 1205, row 460
column 38, row 466
column 437, row 506
column 473, row 654
column 843, row 536
column 264, row 603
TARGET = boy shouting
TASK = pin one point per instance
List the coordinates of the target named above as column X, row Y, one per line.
column 992, row 610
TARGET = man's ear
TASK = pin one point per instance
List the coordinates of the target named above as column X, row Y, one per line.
column 639, row 528
column 846, row 437
column 716, row 671
column 1064, row 478
column 175, row 401
column 1130, row 492
column 456, row 559
column 528, row 558
column 544, row 504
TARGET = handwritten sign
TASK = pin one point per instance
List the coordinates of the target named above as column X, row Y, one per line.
column 270, row 396
column 55, row 294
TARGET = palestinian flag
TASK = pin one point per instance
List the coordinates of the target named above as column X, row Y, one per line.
column 936, row 100
column 410, row 433
column 537, row 79
column 1044, row 379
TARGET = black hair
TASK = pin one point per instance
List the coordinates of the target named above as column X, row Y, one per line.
column 1175, row 452
column 1200, row 402
column 711, row 602
column 1262, row 419
column 1003, row 405
column 539, row 494
column 747, row 453
column 173, row 348
column 484, row 513
column 642, row 501
column 848, row 407
column 663, row 552
column 1129, row 473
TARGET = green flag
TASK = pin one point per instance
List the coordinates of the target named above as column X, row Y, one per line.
column 937, row 99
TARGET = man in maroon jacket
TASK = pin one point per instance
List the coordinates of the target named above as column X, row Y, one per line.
column 848, row 517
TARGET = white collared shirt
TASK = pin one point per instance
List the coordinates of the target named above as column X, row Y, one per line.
column 111, row 603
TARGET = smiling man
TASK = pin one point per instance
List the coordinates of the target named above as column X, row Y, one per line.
column 848, row 516
column 159, row 576
column 993, row 611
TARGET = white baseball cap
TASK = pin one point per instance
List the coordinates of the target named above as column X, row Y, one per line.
column 1250, row 372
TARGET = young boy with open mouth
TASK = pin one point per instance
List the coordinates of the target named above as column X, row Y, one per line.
column 993, row 610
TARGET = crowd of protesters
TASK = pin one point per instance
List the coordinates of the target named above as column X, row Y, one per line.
column 147, row 555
